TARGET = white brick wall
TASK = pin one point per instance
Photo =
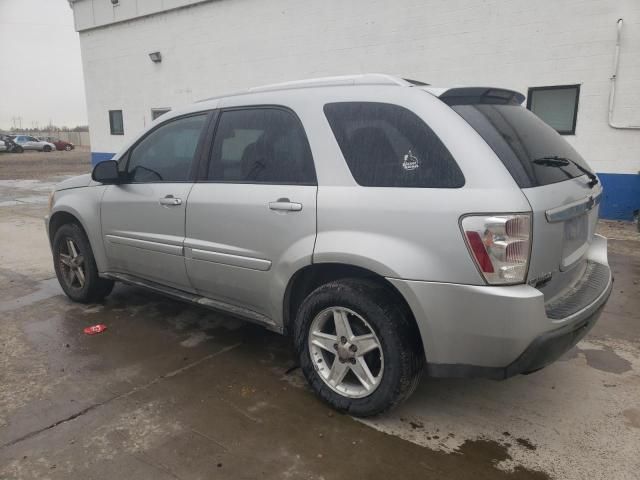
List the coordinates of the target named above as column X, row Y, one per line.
column 226, row 45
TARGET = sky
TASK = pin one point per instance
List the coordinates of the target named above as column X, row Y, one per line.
column 40, row 65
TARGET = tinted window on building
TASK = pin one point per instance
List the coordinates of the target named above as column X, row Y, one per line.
column 166, row 154
column 116, row 125
column 389, row 146
column 157, row 112
column 261, row 145
column 533, row 152
column 557, row 106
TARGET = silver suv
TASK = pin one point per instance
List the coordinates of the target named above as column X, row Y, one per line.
column 28, row 142
column 390, row 227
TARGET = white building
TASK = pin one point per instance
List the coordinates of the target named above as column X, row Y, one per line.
column 206, row 48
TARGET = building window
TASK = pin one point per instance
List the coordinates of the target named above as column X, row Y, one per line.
column 557, row 106
column 156, row 112
column 116, row 124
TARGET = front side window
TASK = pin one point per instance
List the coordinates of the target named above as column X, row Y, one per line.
column 116, row 125
column 261, row 145
column 557, row 106
column 166, row 154
column 386, row 145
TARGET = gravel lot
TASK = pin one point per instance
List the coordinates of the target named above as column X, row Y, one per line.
column 175, row 391
column 41, row 165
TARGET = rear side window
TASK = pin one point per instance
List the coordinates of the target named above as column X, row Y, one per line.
column 386, row 145
column 533, row 152
column 261, row 145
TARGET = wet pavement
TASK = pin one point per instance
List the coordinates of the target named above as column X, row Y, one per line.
column 170, row 390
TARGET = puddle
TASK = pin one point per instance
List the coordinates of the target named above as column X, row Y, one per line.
column 605, row 360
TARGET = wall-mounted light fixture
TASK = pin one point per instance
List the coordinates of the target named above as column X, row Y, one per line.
column 155, row 57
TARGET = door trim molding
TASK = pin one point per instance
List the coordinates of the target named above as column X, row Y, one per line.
column 228, row 259
column 146, row 244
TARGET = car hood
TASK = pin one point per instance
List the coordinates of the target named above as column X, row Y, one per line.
column 75, row 182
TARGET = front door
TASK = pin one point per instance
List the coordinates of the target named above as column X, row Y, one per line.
column 252, row 222
column 143, row 218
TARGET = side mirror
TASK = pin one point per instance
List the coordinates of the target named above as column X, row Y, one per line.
column 106, row 172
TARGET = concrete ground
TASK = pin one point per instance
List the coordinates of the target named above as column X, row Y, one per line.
column 174, row 391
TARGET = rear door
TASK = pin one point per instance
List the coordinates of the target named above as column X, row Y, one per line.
column 143, row 218
column 23, row 141
column 251, row 222
column 563, row 192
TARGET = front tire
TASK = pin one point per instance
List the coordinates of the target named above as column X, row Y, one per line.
column 46, row 148
column 68, row 148
column 359, row 347
column 75, row 266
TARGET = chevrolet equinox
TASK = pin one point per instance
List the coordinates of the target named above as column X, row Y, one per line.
column 388, row 226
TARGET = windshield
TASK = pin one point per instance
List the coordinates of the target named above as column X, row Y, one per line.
column 533, row 152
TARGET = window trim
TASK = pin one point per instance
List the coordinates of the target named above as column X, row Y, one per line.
column 123, row 161
column 532, row 90
column 203, row 172
column 111, row 129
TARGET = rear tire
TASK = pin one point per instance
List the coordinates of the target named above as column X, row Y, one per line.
column 75, row 266
column 374, row 316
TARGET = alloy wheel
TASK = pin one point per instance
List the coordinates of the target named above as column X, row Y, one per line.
column 346, row 352
column 72, row 264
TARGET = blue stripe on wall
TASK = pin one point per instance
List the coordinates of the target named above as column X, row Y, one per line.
column 621, row 199
column 97, row 157
column 621, row 191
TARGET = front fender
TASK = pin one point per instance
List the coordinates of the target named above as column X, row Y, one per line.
column 84, row 205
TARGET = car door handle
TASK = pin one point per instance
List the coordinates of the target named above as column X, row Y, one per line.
column 283, row 204
column 170, row 201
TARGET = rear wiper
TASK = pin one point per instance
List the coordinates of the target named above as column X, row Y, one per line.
column 556, row 161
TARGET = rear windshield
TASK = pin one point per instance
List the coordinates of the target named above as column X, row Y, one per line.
column 533, row 152
column 387, row 145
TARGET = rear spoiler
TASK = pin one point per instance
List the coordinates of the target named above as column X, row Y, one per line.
column 481, row 95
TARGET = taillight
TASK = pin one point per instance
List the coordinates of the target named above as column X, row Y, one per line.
column 500, row 246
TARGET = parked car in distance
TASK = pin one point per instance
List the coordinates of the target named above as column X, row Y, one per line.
column 388, row 226
column 28, row 142
column 9, row 145
column 60, row 144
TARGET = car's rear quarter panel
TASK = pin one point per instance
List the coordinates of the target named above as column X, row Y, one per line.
column 409, row 233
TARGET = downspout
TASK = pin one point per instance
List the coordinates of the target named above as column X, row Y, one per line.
column 614, row 77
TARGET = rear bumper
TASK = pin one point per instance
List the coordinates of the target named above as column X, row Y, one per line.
column 498, row 332
column 550, row 346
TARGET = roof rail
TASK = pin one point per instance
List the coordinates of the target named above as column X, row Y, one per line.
column 341, row 80
column 362, row 79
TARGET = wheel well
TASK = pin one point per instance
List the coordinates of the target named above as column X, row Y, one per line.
column 61, row 218
column 309, row 278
